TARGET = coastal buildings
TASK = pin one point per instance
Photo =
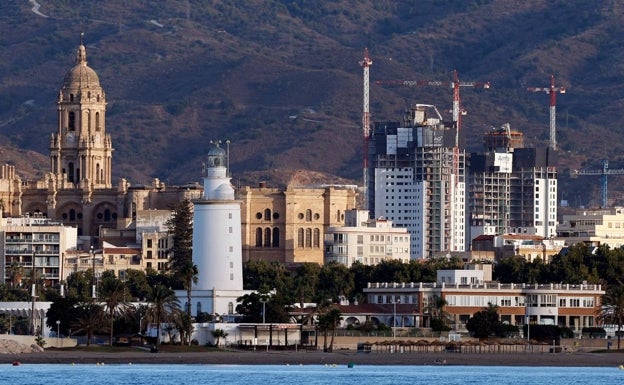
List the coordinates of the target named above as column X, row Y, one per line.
column 573, row 306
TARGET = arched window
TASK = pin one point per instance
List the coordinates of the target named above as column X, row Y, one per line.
column 300, row 237
column 276, row 237
column 97, row 172
column 97, row 122
column 230, row 308
column 338, row 216
column 308, row 215
column 107, row 215
column 308, row 237
column 71, row 124
column 70, row 173
column 267, row 214
column 267, row 237
column 317, row 238
column 258, row 237
column 72, row 215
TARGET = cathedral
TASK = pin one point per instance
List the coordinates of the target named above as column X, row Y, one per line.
column 78, row 189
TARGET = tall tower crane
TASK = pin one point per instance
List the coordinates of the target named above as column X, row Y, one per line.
column 552, row 90
column 455, row 84
column 458, row 111
column 365, row 63
column 604, row 172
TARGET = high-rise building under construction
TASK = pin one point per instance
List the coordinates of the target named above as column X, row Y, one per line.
column 416, row 178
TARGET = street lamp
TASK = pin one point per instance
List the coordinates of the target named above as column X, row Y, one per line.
column 33, row 293
column 93, row 291
column 58, row 329
column 394, row 323
column 263, row 300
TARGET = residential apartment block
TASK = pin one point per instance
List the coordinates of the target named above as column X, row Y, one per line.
column 367, row 241
column 34, row 243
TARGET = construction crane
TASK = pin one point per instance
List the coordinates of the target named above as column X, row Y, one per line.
column 604, row 172
column 455, row 84
column 458, row 111
column 552, row 90
column 365, row 63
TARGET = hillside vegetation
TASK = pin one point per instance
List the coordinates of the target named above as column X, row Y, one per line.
column 280, row 79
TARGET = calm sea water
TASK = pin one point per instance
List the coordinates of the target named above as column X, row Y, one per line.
column 308, row 375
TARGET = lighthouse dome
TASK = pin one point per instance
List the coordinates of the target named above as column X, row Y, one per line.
column 216, row 157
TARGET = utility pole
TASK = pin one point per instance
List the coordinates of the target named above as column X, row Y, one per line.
column 33, row 293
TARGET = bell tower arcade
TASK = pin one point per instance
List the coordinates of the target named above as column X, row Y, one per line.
column 81, row 150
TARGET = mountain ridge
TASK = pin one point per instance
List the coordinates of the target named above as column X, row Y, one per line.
column 281, row 81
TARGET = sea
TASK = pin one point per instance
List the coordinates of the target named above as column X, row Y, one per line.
column 54, row 374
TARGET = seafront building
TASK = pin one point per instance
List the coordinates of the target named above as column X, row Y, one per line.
column 573, row 306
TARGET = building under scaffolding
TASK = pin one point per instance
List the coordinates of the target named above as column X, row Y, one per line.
column 417, row 180
column 512, row 189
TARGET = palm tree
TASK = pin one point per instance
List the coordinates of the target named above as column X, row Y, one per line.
column 218, row 334
column 163, row 305
column 188, row 275
column 89, row 320
column 113, row 291
column 15, row 272
column 612, row 310
column 328, row 322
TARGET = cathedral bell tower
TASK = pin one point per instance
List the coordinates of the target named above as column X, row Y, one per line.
column 81, row 150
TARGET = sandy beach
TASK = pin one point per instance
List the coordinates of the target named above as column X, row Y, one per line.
column 233, row 357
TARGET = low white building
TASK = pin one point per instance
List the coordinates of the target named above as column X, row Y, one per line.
column 368, row 241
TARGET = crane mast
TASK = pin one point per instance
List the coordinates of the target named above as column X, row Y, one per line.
column 457, row 108
column 552, row 91
column 365, row 63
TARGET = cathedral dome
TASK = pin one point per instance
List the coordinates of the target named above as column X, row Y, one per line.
column 81, row 76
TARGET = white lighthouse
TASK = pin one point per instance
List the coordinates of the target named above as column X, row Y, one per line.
column 217, row 251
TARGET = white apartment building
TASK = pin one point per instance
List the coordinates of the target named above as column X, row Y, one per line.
column 35, row 243
column 367, row 241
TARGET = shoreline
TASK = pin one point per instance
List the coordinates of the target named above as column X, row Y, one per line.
column 236, row 357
